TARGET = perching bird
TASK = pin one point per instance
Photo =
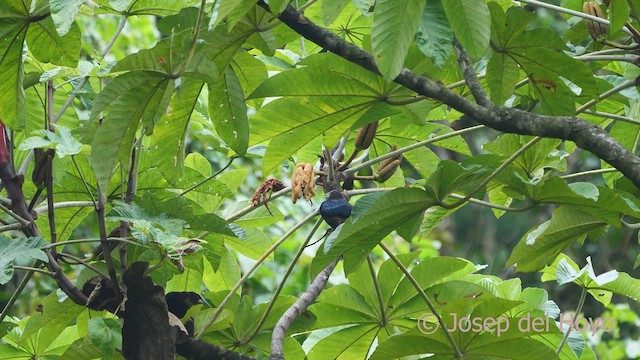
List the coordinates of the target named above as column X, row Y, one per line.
column 178, row 303
column 336, row 209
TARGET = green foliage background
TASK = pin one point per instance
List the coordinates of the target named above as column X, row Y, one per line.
column 214, row 97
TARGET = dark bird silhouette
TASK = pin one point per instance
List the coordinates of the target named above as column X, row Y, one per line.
column 178, row 303
column 336, row 209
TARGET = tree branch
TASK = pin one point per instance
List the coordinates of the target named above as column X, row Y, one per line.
column 300, row 306
column 470, row 76
column 510, row 120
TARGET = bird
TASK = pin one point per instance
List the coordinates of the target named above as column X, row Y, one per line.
column 178, row 303
column 336, row 209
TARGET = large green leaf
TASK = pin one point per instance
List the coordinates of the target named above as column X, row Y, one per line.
column 394, row 26
column 471, row 23
column 228, row 111
column 63, row 13
column 18, row 249
column 13, row 29
column 46, row 45
column 126, row 100
column 231, row 10
column 169, row 135
column 312, row 81
column 542, row 244
column 106, row 335
column 291, row 123
column 434, row 35
column 502, row 75
column 54, row 317
column 358, row 238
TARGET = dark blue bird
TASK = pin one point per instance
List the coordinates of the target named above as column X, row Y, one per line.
column 336, row 209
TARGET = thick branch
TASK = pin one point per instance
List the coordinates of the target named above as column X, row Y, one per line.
column 300, row 306
column 586, row 135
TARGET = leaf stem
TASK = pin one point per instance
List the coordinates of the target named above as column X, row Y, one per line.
column 194, row 40
column 583, row 296
column 18, row 291
column 244, row 278
column 376, row 285
column 589, row 172
column 34, row 269
column 209, row 177
column 627, row 84
column 571, row 12
column 432, row 308
column 274, row 298
column 491, row 176
column 411, row 147
column 89, row 240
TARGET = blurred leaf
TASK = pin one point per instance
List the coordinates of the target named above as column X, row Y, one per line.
column 106, row 335
column 18, row 249
column 471, row 24
column 394, row 25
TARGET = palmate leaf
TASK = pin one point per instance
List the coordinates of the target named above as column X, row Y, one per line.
column 291, row 123
column 394, row 26
column 228, row 111
column 415, row 342
column 232, row 10
column 46, row 45
column 542, row 244
column 13, row 29
column 434, row 34
column 471, row 23
column 54, row 317
column 126, row 99
column 169, row 134
column 358, row 238
column 12, row 249
column 63, row 13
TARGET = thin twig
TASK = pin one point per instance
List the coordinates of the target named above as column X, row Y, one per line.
column 104, row 243
column 244, row 278
column 18, row 291
column 84, row 182
column 34, row 269
column 583, row 296
column 571, row 12
column 274, row 298
column 84, row 80
column 64, row 204
column 209, row 177
column 194, row 40
column 411, row 147
column 491, row 176
column 627, row 84
column 588, row 172
column 89, row 240
column 9, row 227
column 416, row 285
column 376, row 285
column 79, row 261
column 18, row 218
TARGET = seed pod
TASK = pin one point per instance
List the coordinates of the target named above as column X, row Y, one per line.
column 596, row 29
column 385, row 173
column 41, row 169
column 387, row 167
column 365, row 135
